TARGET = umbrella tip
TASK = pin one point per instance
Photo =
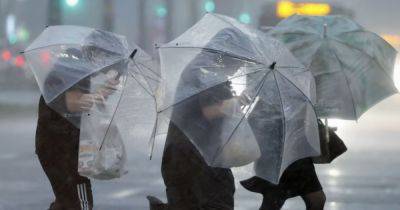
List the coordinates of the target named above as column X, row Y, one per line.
column 133, row 54
column 272, row 66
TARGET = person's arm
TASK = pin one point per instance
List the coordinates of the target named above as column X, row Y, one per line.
column 77, row 101
column 218, row 101
column 111, row 83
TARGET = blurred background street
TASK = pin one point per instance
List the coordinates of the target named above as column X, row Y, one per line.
column 367, row 177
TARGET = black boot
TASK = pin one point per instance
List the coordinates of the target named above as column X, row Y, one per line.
column 156, row 204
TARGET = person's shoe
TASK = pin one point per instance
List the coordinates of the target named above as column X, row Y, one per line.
column 156, row 204
column 256, row 184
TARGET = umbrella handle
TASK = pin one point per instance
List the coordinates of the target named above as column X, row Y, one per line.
column 325, row 30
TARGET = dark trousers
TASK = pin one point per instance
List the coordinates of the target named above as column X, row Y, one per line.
column 59, row 160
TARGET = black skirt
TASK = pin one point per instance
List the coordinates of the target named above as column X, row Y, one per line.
column 298, row 179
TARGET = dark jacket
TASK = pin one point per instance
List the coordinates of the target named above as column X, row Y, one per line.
column 190, row 182
column 57, row 147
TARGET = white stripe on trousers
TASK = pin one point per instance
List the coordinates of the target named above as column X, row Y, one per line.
column 82, row 196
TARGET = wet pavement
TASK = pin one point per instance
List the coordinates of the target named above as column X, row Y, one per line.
column 367, row 177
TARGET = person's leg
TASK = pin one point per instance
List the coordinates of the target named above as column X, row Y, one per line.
column 314, row 200
column 59, row 160
column 71, row 191
column 177, row 173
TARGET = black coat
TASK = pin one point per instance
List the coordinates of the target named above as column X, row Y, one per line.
column 57, row 147
column 190, row 182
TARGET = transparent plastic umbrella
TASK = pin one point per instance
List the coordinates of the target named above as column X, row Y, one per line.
column 73, row 62
column 353, row 67
column 65, row 58
column 240, row 96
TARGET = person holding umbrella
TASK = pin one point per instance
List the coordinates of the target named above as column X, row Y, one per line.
column 233, row 56
column 63, row 72
column 353, row 70
column 57, row 140
column 191, row 183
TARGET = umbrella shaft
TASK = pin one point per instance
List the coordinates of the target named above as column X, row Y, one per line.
column 326, row 130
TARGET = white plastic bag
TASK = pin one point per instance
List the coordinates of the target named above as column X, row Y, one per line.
column 102, row 152
column 96, row 161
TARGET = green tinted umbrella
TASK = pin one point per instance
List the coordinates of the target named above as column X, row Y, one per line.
column 353, row 67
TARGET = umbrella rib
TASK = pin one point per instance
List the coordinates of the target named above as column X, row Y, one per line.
column 221, row 19
column 154, row 131
column 58, row 44
column 312, row 105
column 308, row 99
column 260, row 53
column 86, row 75
column 151, row 70
column 133, row 76
column 273, row 33
column 293, row 67
column 148, row 77
column 241, row 120
column 178, row 102
column 145, row 75
column 373, row 33
column 50, row 45
column 253, row 60
column 116, row 108
column 283, row 122
column 369, row 56
column 347, row 82
column 113, row 116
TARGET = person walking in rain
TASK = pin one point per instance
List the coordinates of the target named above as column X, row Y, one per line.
column 299, row 179
column 57, row 139
column 190, row 182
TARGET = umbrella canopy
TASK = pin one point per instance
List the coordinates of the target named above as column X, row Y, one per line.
column 65, row 58
column 74, row 58
column 208, row 70
column 63, row 55
column 353, row 68
column 90, row 62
